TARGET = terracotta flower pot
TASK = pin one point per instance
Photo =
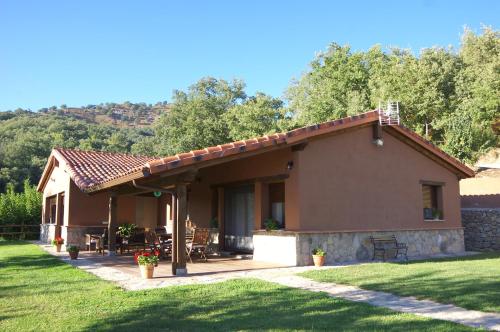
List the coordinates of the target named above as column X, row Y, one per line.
column 147, row 271
column 58, row 247
column 73, row 254
column 318, row 260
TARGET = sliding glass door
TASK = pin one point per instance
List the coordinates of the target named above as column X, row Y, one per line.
column 239, row 218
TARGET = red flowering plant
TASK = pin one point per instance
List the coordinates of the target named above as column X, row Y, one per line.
column 147, row 258
column 57, row 241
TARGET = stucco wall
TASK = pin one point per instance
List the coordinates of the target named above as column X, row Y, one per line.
column 200, row 192
column 347, row 183
column 58, row 182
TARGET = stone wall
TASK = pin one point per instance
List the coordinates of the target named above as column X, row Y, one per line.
column 481, row 229
column 352, row 246
column 75, row 235
column 47, row 232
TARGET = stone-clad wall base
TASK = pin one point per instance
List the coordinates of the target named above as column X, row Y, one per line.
column 75, row 235
column 481, row 229
column 295, row 247
column 356, row 246
column 47, row 232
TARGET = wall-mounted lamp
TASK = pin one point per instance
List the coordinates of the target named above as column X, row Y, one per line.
column 289, row 165
column 379, row 142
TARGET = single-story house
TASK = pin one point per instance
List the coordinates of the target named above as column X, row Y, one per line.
column 330, row 185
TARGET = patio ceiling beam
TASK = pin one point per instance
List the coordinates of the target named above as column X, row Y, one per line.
column 151, row 188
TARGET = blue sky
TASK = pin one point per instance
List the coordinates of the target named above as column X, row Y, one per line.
column 88, row 52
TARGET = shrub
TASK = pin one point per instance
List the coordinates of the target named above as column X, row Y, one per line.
column 21, row 208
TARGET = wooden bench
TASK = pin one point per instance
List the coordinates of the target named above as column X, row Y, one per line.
column 386, row 244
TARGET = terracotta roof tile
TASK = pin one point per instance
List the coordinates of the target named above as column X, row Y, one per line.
column 89, row 168
column 234, row 148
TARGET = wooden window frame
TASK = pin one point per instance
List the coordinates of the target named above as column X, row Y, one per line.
column 437, row 197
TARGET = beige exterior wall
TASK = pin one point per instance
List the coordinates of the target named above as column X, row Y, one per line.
column 346, row 183
column 92, row 210
column 58, row 183
column 480, row 186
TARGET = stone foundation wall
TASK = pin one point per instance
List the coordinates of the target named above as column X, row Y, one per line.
column 75, row 235
column 47, row 232
column 350, row 246
column 481, row 229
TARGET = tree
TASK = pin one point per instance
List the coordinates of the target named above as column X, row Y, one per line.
column 439, row 87
column 257, row 116
column 196, row 118
column 336, row 86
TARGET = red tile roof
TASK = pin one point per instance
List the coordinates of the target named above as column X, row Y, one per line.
column 239, row 147
column 94, row 171
column 89, row 168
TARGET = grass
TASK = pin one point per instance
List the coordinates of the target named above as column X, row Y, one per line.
column 471, row 282
column 39, row 292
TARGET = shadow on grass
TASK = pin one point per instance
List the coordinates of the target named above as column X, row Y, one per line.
column 478, row 257
column 255, row 305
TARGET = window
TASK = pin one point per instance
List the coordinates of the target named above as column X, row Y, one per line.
column 432, row 199
column 277, row 202
column 51, row 206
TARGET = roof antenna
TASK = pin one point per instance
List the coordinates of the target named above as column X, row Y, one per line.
column 388, row 116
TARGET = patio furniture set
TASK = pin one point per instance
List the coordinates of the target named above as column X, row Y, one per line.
column 155, row 241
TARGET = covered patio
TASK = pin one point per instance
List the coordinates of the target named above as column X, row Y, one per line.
column 122, row 269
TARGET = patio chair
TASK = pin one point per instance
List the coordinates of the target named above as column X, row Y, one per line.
column 198, row 244
column 155, row 243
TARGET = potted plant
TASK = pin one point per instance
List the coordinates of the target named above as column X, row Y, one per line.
column 318, row 256
column 271, row 225
column 58, row 242
column 437, row 214
column 214, row 223
column 73, row 251
column 126, row 231
column 147, row 264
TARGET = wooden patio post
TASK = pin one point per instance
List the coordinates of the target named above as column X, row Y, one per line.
column 220, row 216
column 58, row 223
column 181, row 229
column 174, row 234
column 112, row 223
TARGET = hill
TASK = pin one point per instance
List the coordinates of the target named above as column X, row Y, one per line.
column 122, row 115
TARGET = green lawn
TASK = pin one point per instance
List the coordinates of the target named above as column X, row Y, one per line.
column 471, row 282
column 39, row 292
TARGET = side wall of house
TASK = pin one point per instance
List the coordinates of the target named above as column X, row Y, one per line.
column 347, row 183
column 349, row 190
column 58, row 183
column 86, row 213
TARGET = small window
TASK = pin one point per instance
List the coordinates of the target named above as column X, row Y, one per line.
column 432, row 199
